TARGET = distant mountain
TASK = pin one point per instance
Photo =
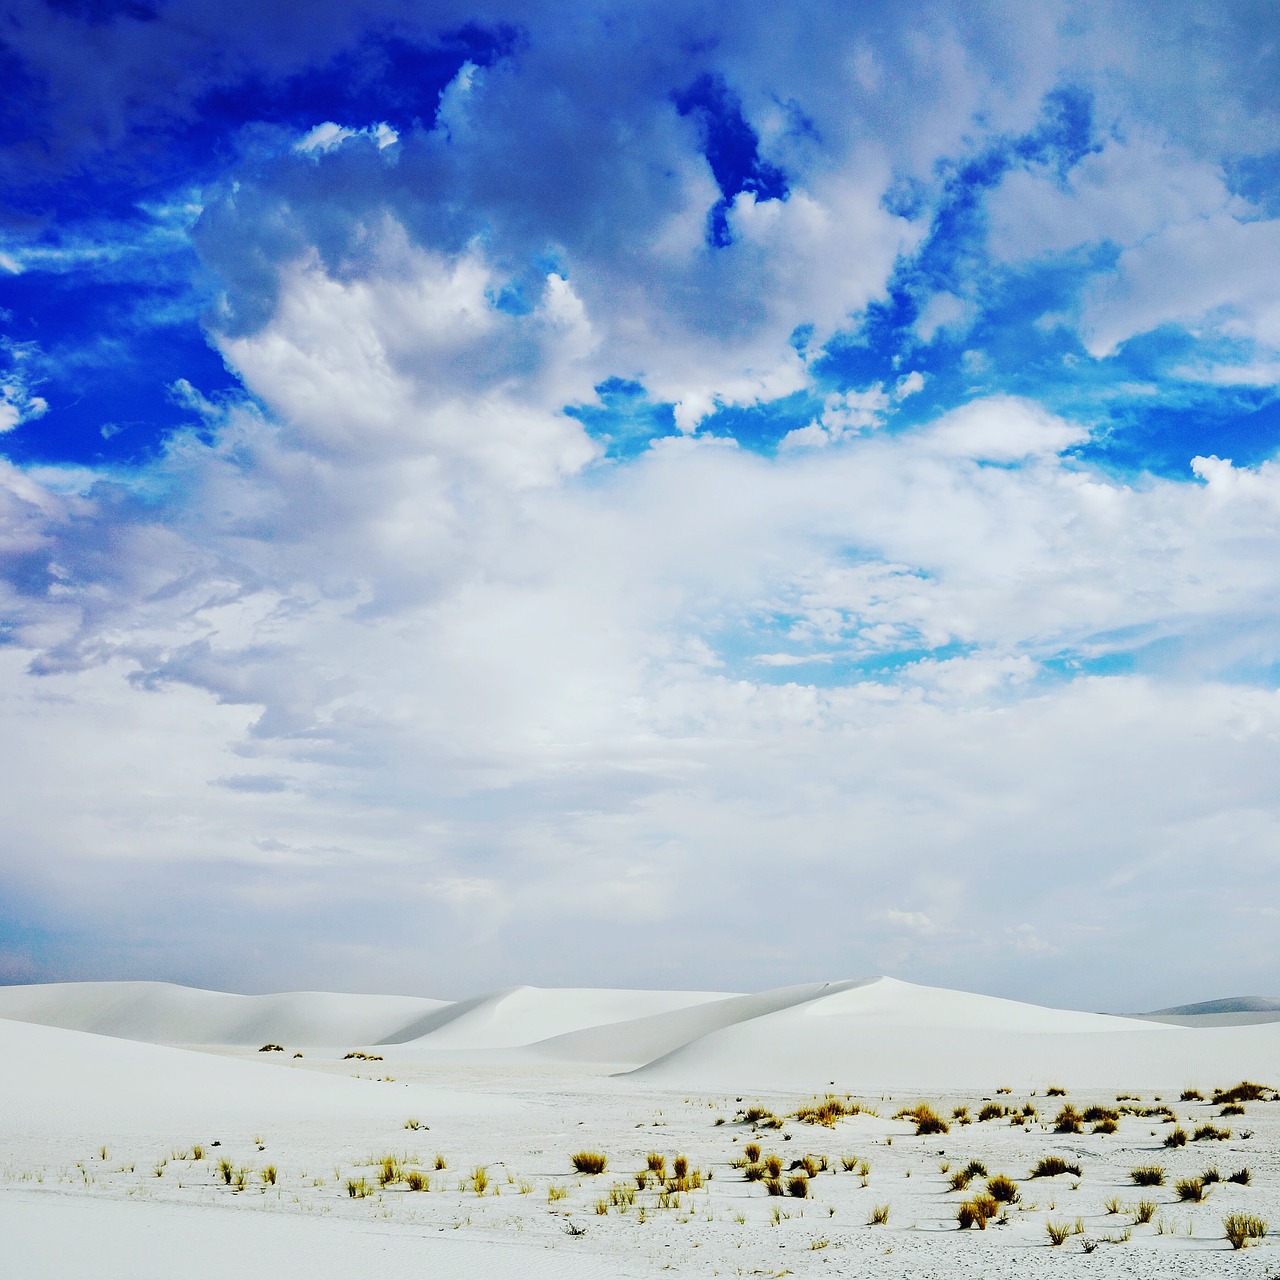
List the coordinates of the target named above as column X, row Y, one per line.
column 1231, row 1004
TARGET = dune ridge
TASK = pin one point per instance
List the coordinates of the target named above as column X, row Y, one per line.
column 165, row 1013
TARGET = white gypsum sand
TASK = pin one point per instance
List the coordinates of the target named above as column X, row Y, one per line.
column 108, row 1155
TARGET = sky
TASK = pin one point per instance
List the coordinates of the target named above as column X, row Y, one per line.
column 661, row 494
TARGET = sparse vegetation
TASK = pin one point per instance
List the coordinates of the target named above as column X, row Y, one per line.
column 1191, row 1095
column 272, row 1048
column 1052, row 1166
column 1240, row 1228
column 1178, row 1138
column 589, row 1162
column 752, row 1151
column 1067, row 1120
column 879, row 1216
column 990, row 1111
column 415, row 1125
column 1147, row 1175
column 1058, row 1232
column 1002, row 1189
column 925, row 1118
column 269, row 1175
column 1190, row 1189
column 798, row 1186
column 1143, row 1212
column 827, row 1111
column 358, row 1188
column 1241, row 1177
column 361, row 1057
column 1210, row 1133
column 416, row 1180
column 1245, row 1091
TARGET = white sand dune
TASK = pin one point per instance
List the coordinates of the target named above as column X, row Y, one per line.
column 891, row 1034
column 163, row 1013
column 641, row 1040
column 51, row 1078
column 524, row 1015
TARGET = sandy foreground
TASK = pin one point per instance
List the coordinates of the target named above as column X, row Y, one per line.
column 124, row 1157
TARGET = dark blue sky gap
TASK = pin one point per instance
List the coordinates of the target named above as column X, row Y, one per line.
column 731, row 148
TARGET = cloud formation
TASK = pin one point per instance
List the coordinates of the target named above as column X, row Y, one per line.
column 669, row 480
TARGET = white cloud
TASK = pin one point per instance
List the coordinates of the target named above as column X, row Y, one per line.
column 471, row 680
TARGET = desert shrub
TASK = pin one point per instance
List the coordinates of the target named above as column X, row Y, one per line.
column 226, row 1169
column 197, row 1152
column 657, row 1163
column 1052, row 1166
column 415, row 1125
column 1240, row 1177
column 1057, row 1232
column 1055, row 1091
column 960, row 1115
column 976, row 1169
column 358, row 1188
column 1147, row 1175
column 849, row 1163
column 1191, row 1095
column 1112, row 1205
column 1143, row 1212
column 1002, row 1189
column 1093, row 1114
column 926, row 1119
column 811, row 1166
column 827, row 1111
column 798, row 1186
column 1240, row 1228
column 973, row 1214
column 1210, row 1175
column 1232, row 1109
column 1105, row 1126
column 1245, row 1091
column 642, row 1179
column 773, row 1166
column 390, row 1172
column 1190, row 1189
column 479, row 1178
column 1067, row 1120
column 680, row 1166
column 362, row 1057
column 752, row 1151
column 753, row 1172
column 960, row 1180
column 773, row 1186
column 417, row 1181
column 990, row 1111
column 272, row 1048
column 588, row 1161
column 440, row 1163
column 1210, row 1133
column 1178, row 1138
column 269, row 1175
column 879, row 1216
column 555, row 1193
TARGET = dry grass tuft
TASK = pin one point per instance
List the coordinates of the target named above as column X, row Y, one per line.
column 879, row 1216
column 589, row 1161
column 1240, row 1228
column 1147, row 1175
column 1002, row 1189
column 926, row 1119
column 1052, row 1166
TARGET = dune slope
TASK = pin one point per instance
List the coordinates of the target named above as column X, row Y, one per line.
column 163, row 1013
